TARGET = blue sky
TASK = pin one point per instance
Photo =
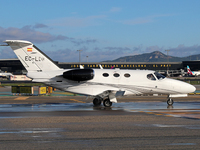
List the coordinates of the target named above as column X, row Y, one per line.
column 104, row 30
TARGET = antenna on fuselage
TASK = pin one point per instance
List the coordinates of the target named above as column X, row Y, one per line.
column 100, row 66
column 81, row 67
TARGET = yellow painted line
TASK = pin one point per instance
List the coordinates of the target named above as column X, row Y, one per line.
column 168, row 116
column 150, row 113
column 21, row 98
column 159, row 114
column 77, row 101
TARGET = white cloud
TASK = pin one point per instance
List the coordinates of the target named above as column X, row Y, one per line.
column 30, row 33
column 182, row 50
column 97, row 55
column 110, row 53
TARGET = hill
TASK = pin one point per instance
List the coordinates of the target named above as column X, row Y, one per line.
column 155, row 56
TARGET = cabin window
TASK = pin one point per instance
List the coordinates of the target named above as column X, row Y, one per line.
column 116, row 75
column 151, row 77
column 127, row 75
column 159, row 76
column 105, row 74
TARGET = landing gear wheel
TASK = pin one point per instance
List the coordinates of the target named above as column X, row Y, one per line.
column 107, row 103
column 97, row 102
column 170, row 101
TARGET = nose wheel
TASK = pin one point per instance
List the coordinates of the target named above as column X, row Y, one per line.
column 170, row 101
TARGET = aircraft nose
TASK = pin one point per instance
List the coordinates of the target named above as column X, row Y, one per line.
column 191, row 88
column 187, row 88
column 182, row 87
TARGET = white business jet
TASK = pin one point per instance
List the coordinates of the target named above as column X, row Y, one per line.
column 103, row 84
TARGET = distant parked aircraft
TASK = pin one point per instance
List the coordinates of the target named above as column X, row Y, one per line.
column 193, row 73
column 5, row 74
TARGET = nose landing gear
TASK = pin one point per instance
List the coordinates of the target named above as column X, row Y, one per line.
column 170, row 102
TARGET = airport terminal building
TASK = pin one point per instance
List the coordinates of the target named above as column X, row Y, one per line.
column 14, row 65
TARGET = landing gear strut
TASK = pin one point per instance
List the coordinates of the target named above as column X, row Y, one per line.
column 170, row 102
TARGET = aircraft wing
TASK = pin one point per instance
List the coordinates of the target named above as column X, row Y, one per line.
column 101, row 90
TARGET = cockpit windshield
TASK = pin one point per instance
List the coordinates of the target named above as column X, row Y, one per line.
column 159, row 76
column 151, row 77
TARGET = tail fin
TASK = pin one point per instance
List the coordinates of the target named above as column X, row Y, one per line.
column 189, row 71
column 33, row 59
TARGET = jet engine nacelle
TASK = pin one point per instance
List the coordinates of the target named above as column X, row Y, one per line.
column 79, row 74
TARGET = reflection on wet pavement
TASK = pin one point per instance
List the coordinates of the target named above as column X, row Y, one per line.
column 34, row 132
column 179, row 109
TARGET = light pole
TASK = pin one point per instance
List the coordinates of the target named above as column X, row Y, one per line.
column 167, row 61
column 79, row 56
column 87, row 58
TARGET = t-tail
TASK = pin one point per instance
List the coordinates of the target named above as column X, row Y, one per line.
column 33, row 59
column 189, row 71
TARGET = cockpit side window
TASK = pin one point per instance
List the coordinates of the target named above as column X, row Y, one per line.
column 159, row 76
column 151, row 77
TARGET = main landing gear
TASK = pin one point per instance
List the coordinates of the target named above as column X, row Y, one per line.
column 97, row 101
column 106, row 102
column 170, row 102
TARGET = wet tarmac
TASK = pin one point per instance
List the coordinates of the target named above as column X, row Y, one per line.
column 179, row 109
column 71, row 122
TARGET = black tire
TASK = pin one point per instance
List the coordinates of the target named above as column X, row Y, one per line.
column 97, row 102
column 170, row 101
column 107, row 103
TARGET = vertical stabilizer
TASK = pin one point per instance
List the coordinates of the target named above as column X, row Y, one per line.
column 33, row 59
column 189, row 71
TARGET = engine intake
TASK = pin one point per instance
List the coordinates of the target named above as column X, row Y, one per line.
column 79, row 74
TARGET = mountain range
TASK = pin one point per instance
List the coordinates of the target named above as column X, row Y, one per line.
column 155, row 56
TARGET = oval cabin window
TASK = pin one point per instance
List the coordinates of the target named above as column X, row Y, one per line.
column 105, row 74
column 116, row 75
column 127, row 75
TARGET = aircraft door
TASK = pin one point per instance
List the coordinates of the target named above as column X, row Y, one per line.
column 152, row 82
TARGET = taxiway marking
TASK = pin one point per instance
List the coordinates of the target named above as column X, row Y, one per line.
column 191, row 115
column 21, row 98
column 76, row 101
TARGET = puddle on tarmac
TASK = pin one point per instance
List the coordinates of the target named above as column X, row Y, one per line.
column 129, row 106
column 182, row 144
column 34, row 132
